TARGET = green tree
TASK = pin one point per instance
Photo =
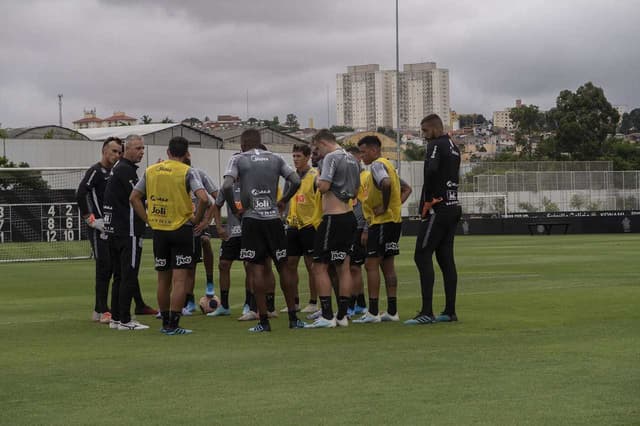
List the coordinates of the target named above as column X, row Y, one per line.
column 469, row 120
column 252, row 121
column 192, row 121
column 583, row 120
column 630, row 122
column 528, row 121
column 11, row 181
column 167, row 120
column 206, row 118
column 341, row 129
column 387, row 131
column 549, row 206
column 145, row 119
column 577, row 201
column 292, row 122
column 415, row 152
column 3, row 134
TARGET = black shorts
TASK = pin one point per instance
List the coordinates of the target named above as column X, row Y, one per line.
column 334, row 238
column 174, row 249
column 383, row 240
column 262, row 239
column 197, row 248
column 358, row 252
column 230, row 249
column 300, row 241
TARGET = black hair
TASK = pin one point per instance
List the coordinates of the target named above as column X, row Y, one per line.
column 178, row 146
column 370, row 141
column 112, row 139
column 433, row 119
column 325, row 135
column 303, row 148
column 352, row 149
column 251, row 138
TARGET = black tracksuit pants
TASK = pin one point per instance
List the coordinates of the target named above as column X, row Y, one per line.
column 127, row 251
column 104, row 268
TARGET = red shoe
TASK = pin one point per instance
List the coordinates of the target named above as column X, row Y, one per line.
column 146, row 310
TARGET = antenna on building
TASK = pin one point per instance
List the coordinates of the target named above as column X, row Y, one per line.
column 328, row 113
column 60, row 109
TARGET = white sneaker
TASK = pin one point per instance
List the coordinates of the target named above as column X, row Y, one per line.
column 132, row 325
column 285, row 309
column 322, row 322
column 344, row 322
column 249, row 316
column 314, row 316
column 385, row 317
column 310, row 308
column 367, row 318
column 114, row 324
column 95, row 316
column 186, row 312
column 272, row 314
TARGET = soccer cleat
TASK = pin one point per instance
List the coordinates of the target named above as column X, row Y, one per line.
column 386, row 317
column 359, row 310
column 146, row 310
column 249, row 316
column 310, row 308
column 314, row 316
column 297, row 324
column 132, row 325
column 344, row 322
column 95, row 316
column 260, row 328
column 443, row 317
column 175, row 331
column 322, row 322
column 105, row 318
column 272, row 314
column 210, row 291
column 367, row 318
column 114, row 324
column 245, row 309
column 186, row 312
column 421, row 319
column 220, row 311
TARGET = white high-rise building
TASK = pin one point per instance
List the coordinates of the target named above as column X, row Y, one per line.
column 366, row 96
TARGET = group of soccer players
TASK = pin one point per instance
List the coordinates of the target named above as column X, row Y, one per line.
column 331, row 212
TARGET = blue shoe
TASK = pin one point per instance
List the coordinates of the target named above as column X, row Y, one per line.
column 220, row 311
column 246, row 309
column 260, row 328
column 360, row 310
column 191, row 306
column 351, row 312
column 421, row 319
column 210, row 290
column 446, row 317
column 175, row 331
column 297, row 324
column 322, row 322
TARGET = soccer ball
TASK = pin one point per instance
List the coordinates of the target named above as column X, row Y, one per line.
column 208, row 304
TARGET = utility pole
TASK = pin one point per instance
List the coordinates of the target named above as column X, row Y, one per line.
column 328, row 113
column 397, row 92
column 60, row 109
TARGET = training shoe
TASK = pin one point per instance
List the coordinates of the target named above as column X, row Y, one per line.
column 297, row 324
column 260, row 328
column 421, row 319
column 175, row 331
column 105, row 318
column 245, row 309
column 191, row 306
column 322, row 322
column 114, row 324
column 272, row 314
column 386, row 317
column 132, row 325
column 186, row 312
column 220, row 311
column 95, row 316
column 359, row 310
column 344, row 322
column 159, row 315
column 286, row 309
column 314, row 316
column 367, row 318
column 446, row 317
column 210, row 291
column 146, row 310
column 249, row 316
column 310, row 308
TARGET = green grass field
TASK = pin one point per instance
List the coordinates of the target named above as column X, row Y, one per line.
column 549, row 333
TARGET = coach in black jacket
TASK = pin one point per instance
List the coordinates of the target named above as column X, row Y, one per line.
column 125, row 230
column 89, row 196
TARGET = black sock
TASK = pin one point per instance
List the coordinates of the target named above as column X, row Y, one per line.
column 352, row 302
column 224, row 298
column 325, row 305
column 271, row 302
column 264, row 319
column 360, row 300
column 174, row 319
column 297, row 300
column 210, row 278
column 392, row 305
column 373, row 306
column 252, row 303
column 165, row 319
column 313, row 301
column 343, row 305
column 189, row 298
column 247, row 297
column 293, row 316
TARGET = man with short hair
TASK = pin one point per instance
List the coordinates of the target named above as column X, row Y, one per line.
column 386, row 193
column 90, row 196
column 169, row 213
column 440, row 213
column 263, row 235
column 338, row 182
column 125, row 235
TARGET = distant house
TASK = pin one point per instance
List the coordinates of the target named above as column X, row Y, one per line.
column 119, row 118
column 91, row 121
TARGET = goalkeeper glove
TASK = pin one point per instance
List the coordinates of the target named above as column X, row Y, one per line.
column 95, row 223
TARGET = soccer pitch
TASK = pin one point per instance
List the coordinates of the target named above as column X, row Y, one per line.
column 549, row 333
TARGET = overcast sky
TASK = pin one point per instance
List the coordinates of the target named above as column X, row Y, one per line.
column 199, row 58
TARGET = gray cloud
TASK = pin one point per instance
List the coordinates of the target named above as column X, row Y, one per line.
column 197, row 58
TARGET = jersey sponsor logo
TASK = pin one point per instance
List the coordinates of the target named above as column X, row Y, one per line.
column 247, row 254
column 183, row 260
column 160, row 211
column 262, row 203
column 160, row 262
column 338, row 255
column 300, row 198
column 236, row 230
column 259, row 158
column 255, row 192
column 452, row 195
column 162, row 199
column 391, row 246
column 451, row 184
column 165, row 169
column 281, row 254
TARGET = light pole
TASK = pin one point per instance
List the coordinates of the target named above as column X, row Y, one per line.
column 397, row 93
